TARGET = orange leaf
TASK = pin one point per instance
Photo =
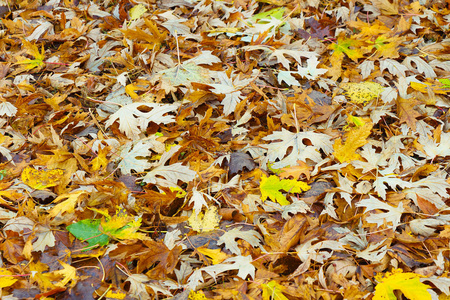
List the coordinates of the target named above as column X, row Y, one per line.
column 296, row 171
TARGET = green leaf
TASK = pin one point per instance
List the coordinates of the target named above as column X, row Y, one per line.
column 276, row 13
column 408, row 283
column 445, row 82
column 33, row 50
column 88, row 230
column 271, row 186
column 352, row 48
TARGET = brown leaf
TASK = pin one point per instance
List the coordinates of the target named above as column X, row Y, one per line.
column 406, row 112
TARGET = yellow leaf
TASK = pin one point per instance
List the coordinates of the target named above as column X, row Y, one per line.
column 208, row 222
column 67, row 205
column 425, row 87
column 408, row 283
column 362, row 92
column 7, row 278
column 115, row 295
column 41, row 179
column 273, row 291
column 32, row 50
column 101, row 161
column 44, row 280
column 137, row 11
column 196, row 295
column 271, row 186
column 355, row 138
column 122, row 226
column 68, row 272
column 216, row 255
column 130, row 90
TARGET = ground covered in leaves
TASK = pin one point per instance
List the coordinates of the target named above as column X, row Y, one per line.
column 201, row 149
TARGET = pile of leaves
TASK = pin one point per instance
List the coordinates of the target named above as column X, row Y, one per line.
column 202, row 149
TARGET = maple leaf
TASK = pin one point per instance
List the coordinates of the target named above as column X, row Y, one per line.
column 295, row 207
column 45, row 238
column 393, row 214
column 67, row 205
column 122, row 226
column 387, row 46
column 138, row 286
column 171, row 174
column 68, row 273
column 279, row 54
column 132, row 151
column 296, row 171
column 282, row 141
column 406, row 112
column 7, row 278
column 273, row 291
column 41, row 179
column 38, row 61
column 187, row 72
column 381, row 182
column 137, row 11
column 204, row 223
column 362, row 92
column 198, row 198
column 229, row 239
column 216, row 255
column 316, row 30
column 132, row 121
column 101, row 160
column 98, row 231
column 354, row 138
column 241, row 263
column 197, row 295
column 270, row 188
column 408, row 283
column 318, row 251
column 88, row 230
column 231, row 90
column 347, row 46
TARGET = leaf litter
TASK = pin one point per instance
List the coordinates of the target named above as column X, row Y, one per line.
column 223, row 149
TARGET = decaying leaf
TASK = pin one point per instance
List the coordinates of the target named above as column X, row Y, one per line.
column 266, row 149
column 205, row 222
column 41, row 179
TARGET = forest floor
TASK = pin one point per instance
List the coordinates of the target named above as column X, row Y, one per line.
column 200, row 149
